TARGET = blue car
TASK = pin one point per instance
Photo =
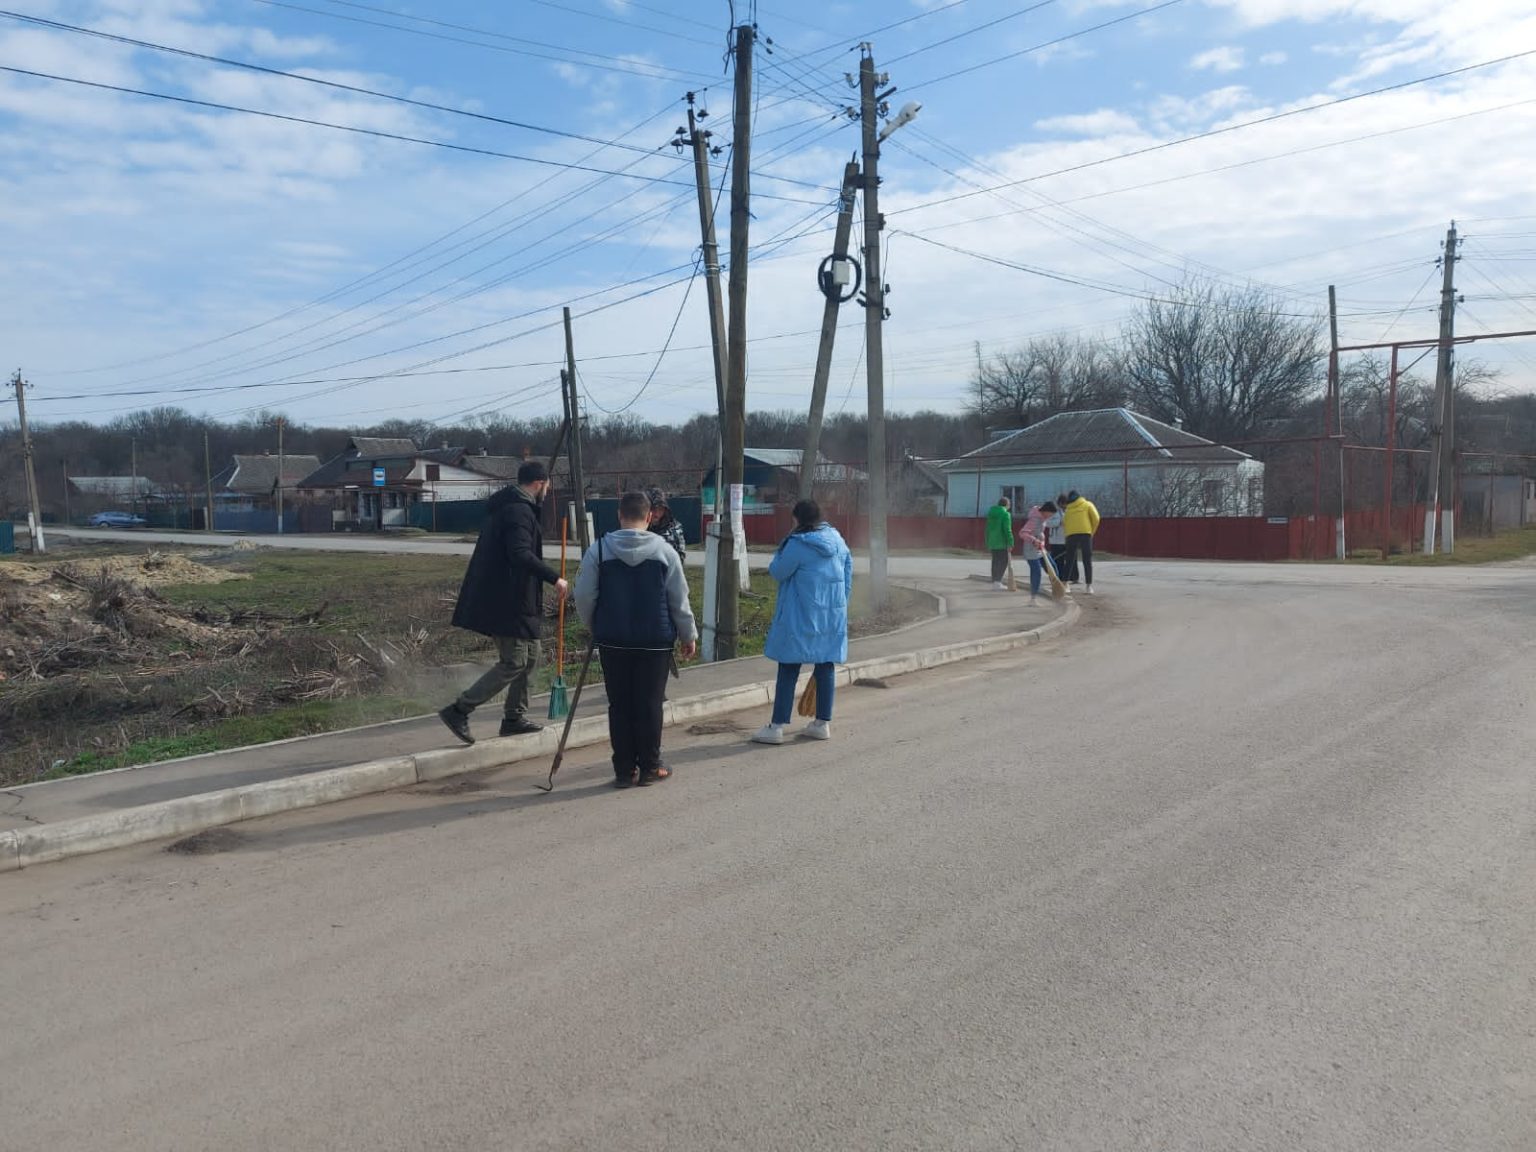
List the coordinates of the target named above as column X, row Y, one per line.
column 116, row 520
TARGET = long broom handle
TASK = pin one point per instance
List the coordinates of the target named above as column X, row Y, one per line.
column 581, row 682
column 560, row 639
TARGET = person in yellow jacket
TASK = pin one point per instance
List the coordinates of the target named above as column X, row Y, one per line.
column 1080, row 520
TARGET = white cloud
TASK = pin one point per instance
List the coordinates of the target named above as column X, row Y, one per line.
column 1273, row 59
column 1104, row 122
column 1226, row 58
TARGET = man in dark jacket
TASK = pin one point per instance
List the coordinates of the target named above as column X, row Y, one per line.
column 632, row 594
column 503, row 597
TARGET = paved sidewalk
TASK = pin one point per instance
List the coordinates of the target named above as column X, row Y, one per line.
column 973, row 612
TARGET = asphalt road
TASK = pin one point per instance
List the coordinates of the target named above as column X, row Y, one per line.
column 1248, row 861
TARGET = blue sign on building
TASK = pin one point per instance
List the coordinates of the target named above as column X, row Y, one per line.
column 378, row 477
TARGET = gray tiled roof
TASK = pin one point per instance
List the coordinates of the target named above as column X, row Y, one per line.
column 1100, row 435
column 258, row 474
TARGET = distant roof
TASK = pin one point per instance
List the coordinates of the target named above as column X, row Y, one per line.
column 258, row 474
column 1106, row 435
column 114, row 486
column 930, row 470
column 380, row 446
column 505, row 467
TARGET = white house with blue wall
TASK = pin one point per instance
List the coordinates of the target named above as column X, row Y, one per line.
column 1126, row 463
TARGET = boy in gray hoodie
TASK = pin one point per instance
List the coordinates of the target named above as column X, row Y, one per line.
column 632, row 596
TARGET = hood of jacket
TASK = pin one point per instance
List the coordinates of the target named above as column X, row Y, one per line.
column 635, row 546
column 511, row 494
column 823, row 539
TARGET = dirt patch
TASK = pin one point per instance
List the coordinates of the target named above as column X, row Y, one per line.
column 714, row 727
column 209, row 843
column 870, row 682
column 456, row 788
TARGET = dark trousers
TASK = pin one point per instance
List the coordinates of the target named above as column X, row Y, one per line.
column 999, row 564
column 512, row 671
column 784, row 691
column 635, row 680
column 1059, row 561
column 1081, row 546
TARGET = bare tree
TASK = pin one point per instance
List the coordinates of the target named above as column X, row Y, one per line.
column 1226, row 361
column 1047, row 375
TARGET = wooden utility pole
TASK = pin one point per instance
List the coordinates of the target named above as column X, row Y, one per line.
column 34, row 509
column 1336, row 415
column 280, row 476
column 833, row 291
column 728, row 588
column 1441, row 478
column 573, row 400
column 874, row 318
column 699, row 141
column 207, row 482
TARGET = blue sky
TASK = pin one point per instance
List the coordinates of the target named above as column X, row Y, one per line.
column 234, row 264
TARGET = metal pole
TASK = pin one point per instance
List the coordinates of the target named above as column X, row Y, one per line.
column 208, row 481
column 812, row 451
column 1386, row 548
column 1336, row 413
column 874, row 316
column 279, row 475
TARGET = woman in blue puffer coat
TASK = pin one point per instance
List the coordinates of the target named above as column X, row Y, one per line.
column 814, row 571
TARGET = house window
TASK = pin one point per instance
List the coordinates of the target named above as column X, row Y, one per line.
column 434, row 472
column 1015, row 494
column 1211, row 491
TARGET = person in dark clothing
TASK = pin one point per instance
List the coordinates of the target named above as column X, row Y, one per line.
column 503, row 597
column 632, row 595
column 666, row 525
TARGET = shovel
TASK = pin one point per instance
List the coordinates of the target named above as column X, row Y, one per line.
column 558, row 704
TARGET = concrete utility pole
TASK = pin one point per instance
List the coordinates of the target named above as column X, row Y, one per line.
column 133, row 481
column 279, row 475
column 578, row 482
column 832, row 281
column 34, row 509
column 1442, row 469
column 699, row 141
column 874, row 318
column 207, row 482
column 735, row 430
column 1336, row 414
column 64, row 470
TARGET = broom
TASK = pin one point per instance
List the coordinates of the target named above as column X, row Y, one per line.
column 1058, row 589
column 806, row 705
column 559, row 705
column 565, row 734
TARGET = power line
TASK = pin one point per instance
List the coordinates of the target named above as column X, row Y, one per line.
column 617, row 64
column 409, row 260
column 1226, row 129
column 968, row 32
column 660, row 356
column 1047, row 44
column 333, row 84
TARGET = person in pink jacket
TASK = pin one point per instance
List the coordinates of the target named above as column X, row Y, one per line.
column 1033, row 537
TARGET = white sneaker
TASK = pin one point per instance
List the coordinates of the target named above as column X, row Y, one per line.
column 817, row 730
column 769, row 734
column 1090, row 589
column 1033, row 601
column 999, row 586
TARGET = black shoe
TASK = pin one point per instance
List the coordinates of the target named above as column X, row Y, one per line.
column 458, row 723
column 519, row 727
column 654, row 775
column 625, row 781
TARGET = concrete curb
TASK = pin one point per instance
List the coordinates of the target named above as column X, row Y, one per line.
column 169, row 819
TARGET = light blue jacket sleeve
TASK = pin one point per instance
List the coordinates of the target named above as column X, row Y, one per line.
column 586, row 587
column 785, row 562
